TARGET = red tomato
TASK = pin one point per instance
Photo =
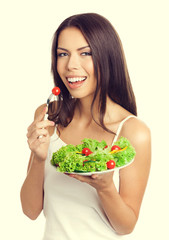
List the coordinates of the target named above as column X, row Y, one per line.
column 115, row 147
column 86, row 151
column 106, row 147
column 56, row 91
column 111, row 164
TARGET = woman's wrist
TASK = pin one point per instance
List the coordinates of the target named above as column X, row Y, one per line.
column 36, row 166
column 107, row 189
column 38, row 161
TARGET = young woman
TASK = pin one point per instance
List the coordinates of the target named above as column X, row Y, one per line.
column 96, row 101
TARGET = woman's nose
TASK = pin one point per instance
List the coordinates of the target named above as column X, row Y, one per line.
column 73, row 62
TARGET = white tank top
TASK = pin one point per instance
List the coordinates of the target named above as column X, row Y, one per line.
column 72, row 209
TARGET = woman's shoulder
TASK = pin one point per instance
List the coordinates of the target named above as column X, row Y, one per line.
column 133, row 127
column 136, row 130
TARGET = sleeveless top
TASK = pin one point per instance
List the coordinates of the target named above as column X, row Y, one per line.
column 72, row 208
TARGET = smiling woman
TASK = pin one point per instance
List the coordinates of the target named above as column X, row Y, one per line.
column 75, row 64
column 106, row 54
column 97, row 102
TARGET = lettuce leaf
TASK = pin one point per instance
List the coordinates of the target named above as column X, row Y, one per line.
column 72, row 161
column 90, row 143
column 60, row 155
column 69, row 158
column 124, row 157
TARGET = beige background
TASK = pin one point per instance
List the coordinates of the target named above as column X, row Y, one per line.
column 26, row 33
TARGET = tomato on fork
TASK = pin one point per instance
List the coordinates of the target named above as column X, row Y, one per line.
column 56, row 91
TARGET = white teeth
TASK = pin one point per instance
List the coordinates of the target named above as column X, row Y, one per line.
column 77, row 79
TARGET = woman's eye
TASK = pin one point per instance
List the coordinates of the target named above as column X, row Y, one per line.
column 62, row 54
column 86, row 53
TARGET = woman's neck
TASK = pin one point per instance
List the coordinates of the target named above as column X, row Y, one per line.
column 83, row 109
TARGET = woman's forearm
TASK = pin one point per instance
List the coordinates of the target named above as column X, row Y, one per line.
column 32, row 189
column 122, row 218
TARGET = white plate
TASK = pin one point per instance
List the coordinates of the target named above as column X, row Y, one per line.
column 101, row 172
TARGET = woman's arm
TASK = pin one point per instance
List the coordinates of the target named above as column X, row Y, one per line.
column 122, row 208
column 32, row 189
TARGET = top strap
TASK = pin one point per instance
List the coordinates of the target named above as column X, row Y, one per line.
column 121, row 125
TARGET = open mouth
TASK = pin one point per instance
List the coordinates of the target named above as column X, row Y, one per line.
column 76, row 80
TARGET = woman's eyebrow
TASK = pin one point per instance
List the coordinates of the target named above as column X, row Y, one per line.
column 82, row 48
column 64, row 49
column 60, row 48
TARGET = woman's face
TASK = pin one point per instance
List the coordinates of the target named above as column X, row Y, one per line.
column 75, row 64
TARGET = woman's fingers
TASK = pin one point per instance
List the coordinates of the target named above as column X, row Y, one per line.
column 35, row 143
column 87, row 179
column 34, row 136
column 81, row 178
column 38, row 119
column 38, row 135
column 41, row 115
column 98, row 181
column 95, row 176
column 39, row 125
column 44, row 124
column 38, row 132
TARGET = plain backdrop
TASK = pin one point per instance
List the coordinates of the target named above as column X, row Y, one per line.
column 26, row 30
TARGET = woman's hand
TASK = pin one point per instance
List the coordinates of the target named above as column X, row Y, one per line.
column 39, row 145
column 100, row 182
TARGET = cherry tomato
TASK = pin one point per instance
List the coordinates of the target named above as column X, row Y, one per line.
column 111, row 164
column 56, row 91
column 115, row 147
column 86, row 151
column 106, row 147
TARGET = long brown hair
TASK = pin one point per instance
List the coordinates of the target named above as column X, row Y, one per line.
column 108, row 57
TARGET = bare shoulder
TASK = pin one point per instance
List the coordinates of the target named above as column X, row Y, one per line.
column 136, row 131
column 139, row 135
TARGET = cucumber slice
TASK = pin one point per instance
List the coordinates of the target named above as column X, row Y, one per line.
column 80, row 171
column 88, row 161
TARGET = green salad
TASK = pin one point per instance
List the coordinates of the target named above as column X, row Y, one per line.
column 93, row 156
